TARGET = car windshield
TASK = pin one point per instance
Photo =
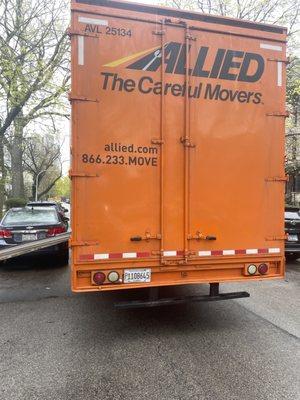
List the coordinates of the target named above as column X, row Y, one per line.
column 31, row 216
column 292, row 215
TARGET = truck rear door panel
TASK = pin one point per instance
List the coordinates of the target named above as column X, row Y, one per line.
column 165, row 155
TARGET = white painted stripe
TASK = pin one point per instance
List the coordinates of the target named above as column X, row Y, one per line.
column 228, row 252
column 251, row 251
column 101, row 256
column 94, row 21
column 274, row 250
column 129, row 255
column 279, row 73
column 80, row 50
column 270, row 47
column 204, row 253
column 172, row 253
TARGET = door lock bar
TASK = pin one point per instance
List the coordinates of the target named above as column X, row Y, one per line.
column 147, row 237
column 201, row 236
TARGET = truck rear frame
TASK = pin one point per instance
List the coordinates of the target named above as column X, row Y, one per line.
column 177, row 147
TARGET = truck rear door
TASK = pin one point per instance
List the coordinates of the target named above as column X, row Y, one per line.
column 174, row 157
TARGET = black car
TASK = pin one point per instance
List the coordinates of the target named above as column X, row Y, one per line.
column 60, row 209
column 23, row 225
column 292, row 229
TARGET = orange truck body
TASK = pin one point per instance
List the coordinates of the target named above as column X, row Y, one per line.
column 177, row 146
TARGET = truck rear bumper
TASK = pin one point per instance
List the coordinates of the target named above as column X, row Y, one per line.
column 171, row 275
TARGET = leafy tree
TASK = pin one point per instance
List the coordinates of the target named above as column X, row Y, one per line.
column 264, row 11
column 42, row 160
column 62, row 187
column 34, row 74
column 293, row 89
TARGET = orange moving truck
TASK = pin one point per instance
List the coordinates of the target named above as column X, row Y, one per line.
column 177, row 148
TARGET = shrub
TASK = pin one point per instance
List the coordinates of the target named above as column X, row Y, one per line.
column 15, row 202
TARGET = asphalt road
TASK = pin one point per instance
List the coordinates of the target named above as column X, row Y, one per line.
column 56, row 345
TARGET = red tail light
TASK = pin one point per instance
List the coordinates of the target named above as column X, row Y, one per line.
column 99, row 278
column 263, row 269
column 5, row 233
column 55, row 231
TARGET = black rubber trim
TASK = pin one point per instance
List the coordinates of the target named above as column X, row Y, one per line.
column 183, row 14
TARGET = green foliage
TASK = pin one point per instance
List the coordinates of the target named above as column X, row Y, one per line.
column 63, row 187
column 293, row 84
column 15, row 202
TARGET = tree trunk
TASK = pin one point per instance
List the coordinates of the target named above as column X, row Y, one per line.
column 17, row 179
column 3, row 174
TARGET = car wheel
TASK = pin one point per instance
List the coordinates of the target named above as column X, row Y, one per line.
column 63, row 257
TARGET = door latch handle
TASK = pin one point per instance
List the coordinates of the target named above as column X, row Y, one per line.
column 211, row 237
column 147, row 237
column 186, row 142
column 201, row 236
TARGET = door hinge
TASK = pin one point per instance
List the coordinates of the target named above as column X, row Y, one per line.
column 81, row 33
column 74, row 243
column 74, row 97
column 271, row 238
column 186, row 142
column 277, row 179
column 157, row 141
column 190, row 37
column 82, row 175
column 279, row 114
column 286, row 61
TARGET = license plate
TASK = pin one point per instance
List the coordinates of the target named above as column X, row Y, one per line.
column 137, row 275
column 27, row 238
column 292, row 238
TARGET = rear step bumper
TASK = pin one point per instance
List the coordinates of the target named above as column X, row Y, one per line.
column 154, row 301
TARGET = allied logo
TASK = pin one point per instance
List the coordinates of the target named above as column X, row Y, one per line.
column 178, row 59
column 227, row 64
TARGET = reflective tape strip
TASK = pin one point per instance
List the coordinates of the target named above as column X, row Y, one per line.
column 251, row 251
column 178, row 253
column 228, row 252
column 171, row 253
column 129, row 255
column 274, row 250
column 204, row 253
column 86, row 257
column 101, row 256
column 143, row 254
column 268, row 46
column 93, row 21
column 115, row 255
column 217, row 252
column 263, row 251
column 240, row 251
column 80, row 50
